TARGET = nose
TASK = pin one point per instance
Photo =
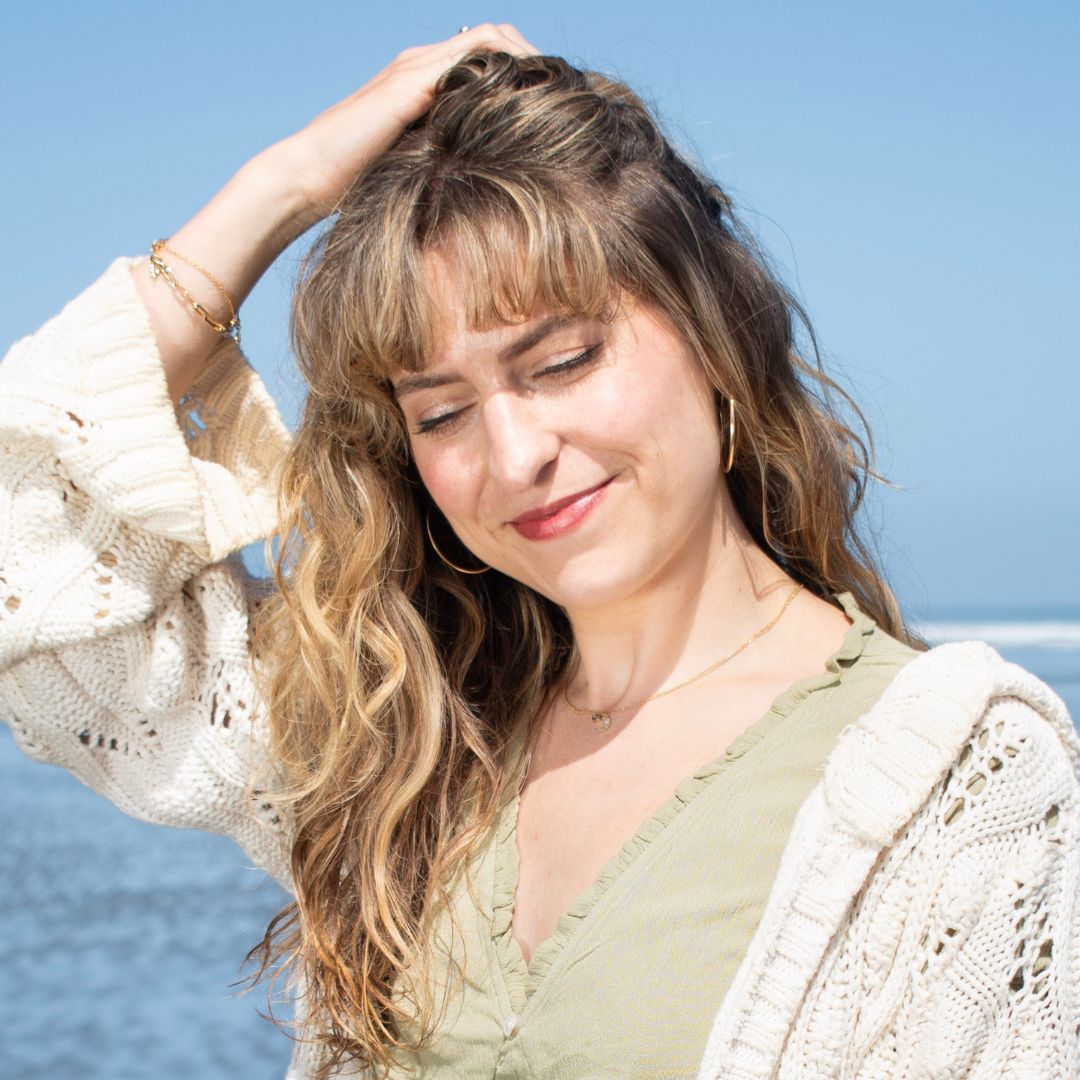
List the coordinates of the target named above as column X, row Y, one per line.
column 522, row 441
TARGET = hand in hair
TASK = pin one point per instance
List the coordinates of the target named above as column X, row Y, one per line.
column 287, row 188
column 330, row 152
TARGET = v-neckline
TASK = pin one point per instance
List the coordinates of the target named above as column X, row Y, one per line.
column 523, row 979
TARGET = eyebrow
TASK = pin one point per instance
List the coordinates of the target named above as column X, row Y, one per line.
column 532, row 337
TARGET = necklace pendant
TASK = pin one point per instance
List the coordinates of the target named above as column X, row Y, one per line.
column 601, row 720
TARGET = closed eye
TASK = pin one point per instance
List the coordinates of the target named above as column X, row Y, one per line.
column 442, row 423
column 566, row 366
column 446, row 422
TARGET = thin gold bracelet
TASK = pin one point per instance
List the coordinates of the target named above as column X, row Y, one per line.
column 159, row 268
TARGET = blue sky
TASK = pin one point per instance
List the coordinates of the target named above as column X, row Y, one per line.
column 912, row 170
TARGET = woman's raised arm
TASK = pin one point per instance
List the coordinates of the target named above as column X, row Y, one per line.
column 124, row 609
column 287, row 188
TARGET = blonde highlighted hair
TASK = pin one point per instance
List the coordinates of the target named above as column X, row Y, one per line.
column 395, row 684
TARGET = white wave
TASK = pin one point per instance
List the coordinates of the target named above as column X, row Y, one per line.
column 1017, row 635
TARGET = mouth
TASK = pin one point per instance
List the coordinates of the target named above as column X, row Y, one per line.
column 559, row 517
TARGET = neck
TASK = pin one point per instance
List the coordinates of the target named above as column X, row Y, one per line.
column 713, row 593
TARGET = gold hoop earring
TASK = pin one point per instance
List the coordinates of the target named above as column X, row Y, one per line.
column 731, row 437
column 435, row 548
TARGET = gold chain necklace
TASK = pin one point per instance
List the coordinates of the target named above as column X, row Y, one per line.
column 602, row 718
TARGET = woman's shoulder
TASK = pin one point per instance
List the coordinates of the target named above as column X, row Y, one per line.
column 952, row 705
column 954, row 800
column 996, row 692
column 878, row 650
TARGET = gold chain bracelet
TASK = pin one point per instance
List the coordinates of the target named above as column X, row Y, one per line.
column 159, row 268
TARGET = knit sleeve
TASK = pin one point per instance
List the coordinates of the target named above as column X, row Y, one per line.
column 967, row 959
column 996, row 977
column 124, row 607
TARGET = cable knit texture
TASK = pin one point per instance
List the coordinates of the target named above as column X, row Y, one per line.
column 924, row 920
column 123, row 612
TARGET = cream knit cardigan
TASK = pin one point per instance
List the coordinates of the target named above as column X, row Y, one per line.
column 924, row 919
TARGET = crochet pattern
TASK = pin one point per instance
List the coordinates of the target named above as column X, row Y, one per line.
column 124, row 611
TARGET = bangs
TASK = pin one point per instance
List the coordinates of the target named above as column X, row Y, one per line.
column 515, row 245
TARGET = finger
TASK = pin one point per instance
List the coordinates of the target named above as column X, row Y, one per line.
column 435, row 59
column 504, row 36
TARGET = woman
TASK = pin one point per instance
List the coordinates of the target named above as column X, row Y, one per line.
column 578, row 712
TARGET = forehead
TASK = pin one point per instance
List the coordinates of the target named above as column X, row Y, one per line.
column 488, row 274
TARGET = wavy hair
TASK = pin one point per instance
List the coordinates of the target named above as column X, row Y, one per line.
column 396, row 684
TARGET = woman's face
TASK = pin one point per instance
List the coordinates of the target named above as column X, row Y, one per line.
column 580, row 457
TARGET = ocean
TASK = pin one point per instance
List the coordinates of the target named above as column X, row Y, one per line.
column 120, row 940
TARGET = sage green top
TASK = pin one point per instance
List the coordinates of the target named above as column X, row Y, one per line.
column 634, row 974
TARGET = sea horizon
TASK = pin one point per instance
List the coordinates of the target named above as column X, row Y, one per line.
column 1003, row 632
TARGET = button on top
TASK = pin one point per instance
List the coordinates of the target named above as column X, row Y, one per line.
column 510, row 1025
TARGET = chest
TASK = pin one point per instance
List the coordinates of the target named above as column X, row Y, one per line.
column 575, row 816
column 587, row 793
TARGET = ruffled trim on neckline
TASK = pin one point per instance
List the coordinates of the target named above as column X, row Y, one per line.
column 521, row 979
column 511, row 960
column 851, row 648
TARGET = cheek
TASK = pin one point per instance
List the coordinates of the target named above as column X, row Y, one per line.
column 689, row 401
column 669, row 417
column 447, row 478
column 697, row 428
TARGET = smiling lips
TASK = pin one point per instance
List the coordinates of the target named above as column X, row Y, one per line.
column 559, row 517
